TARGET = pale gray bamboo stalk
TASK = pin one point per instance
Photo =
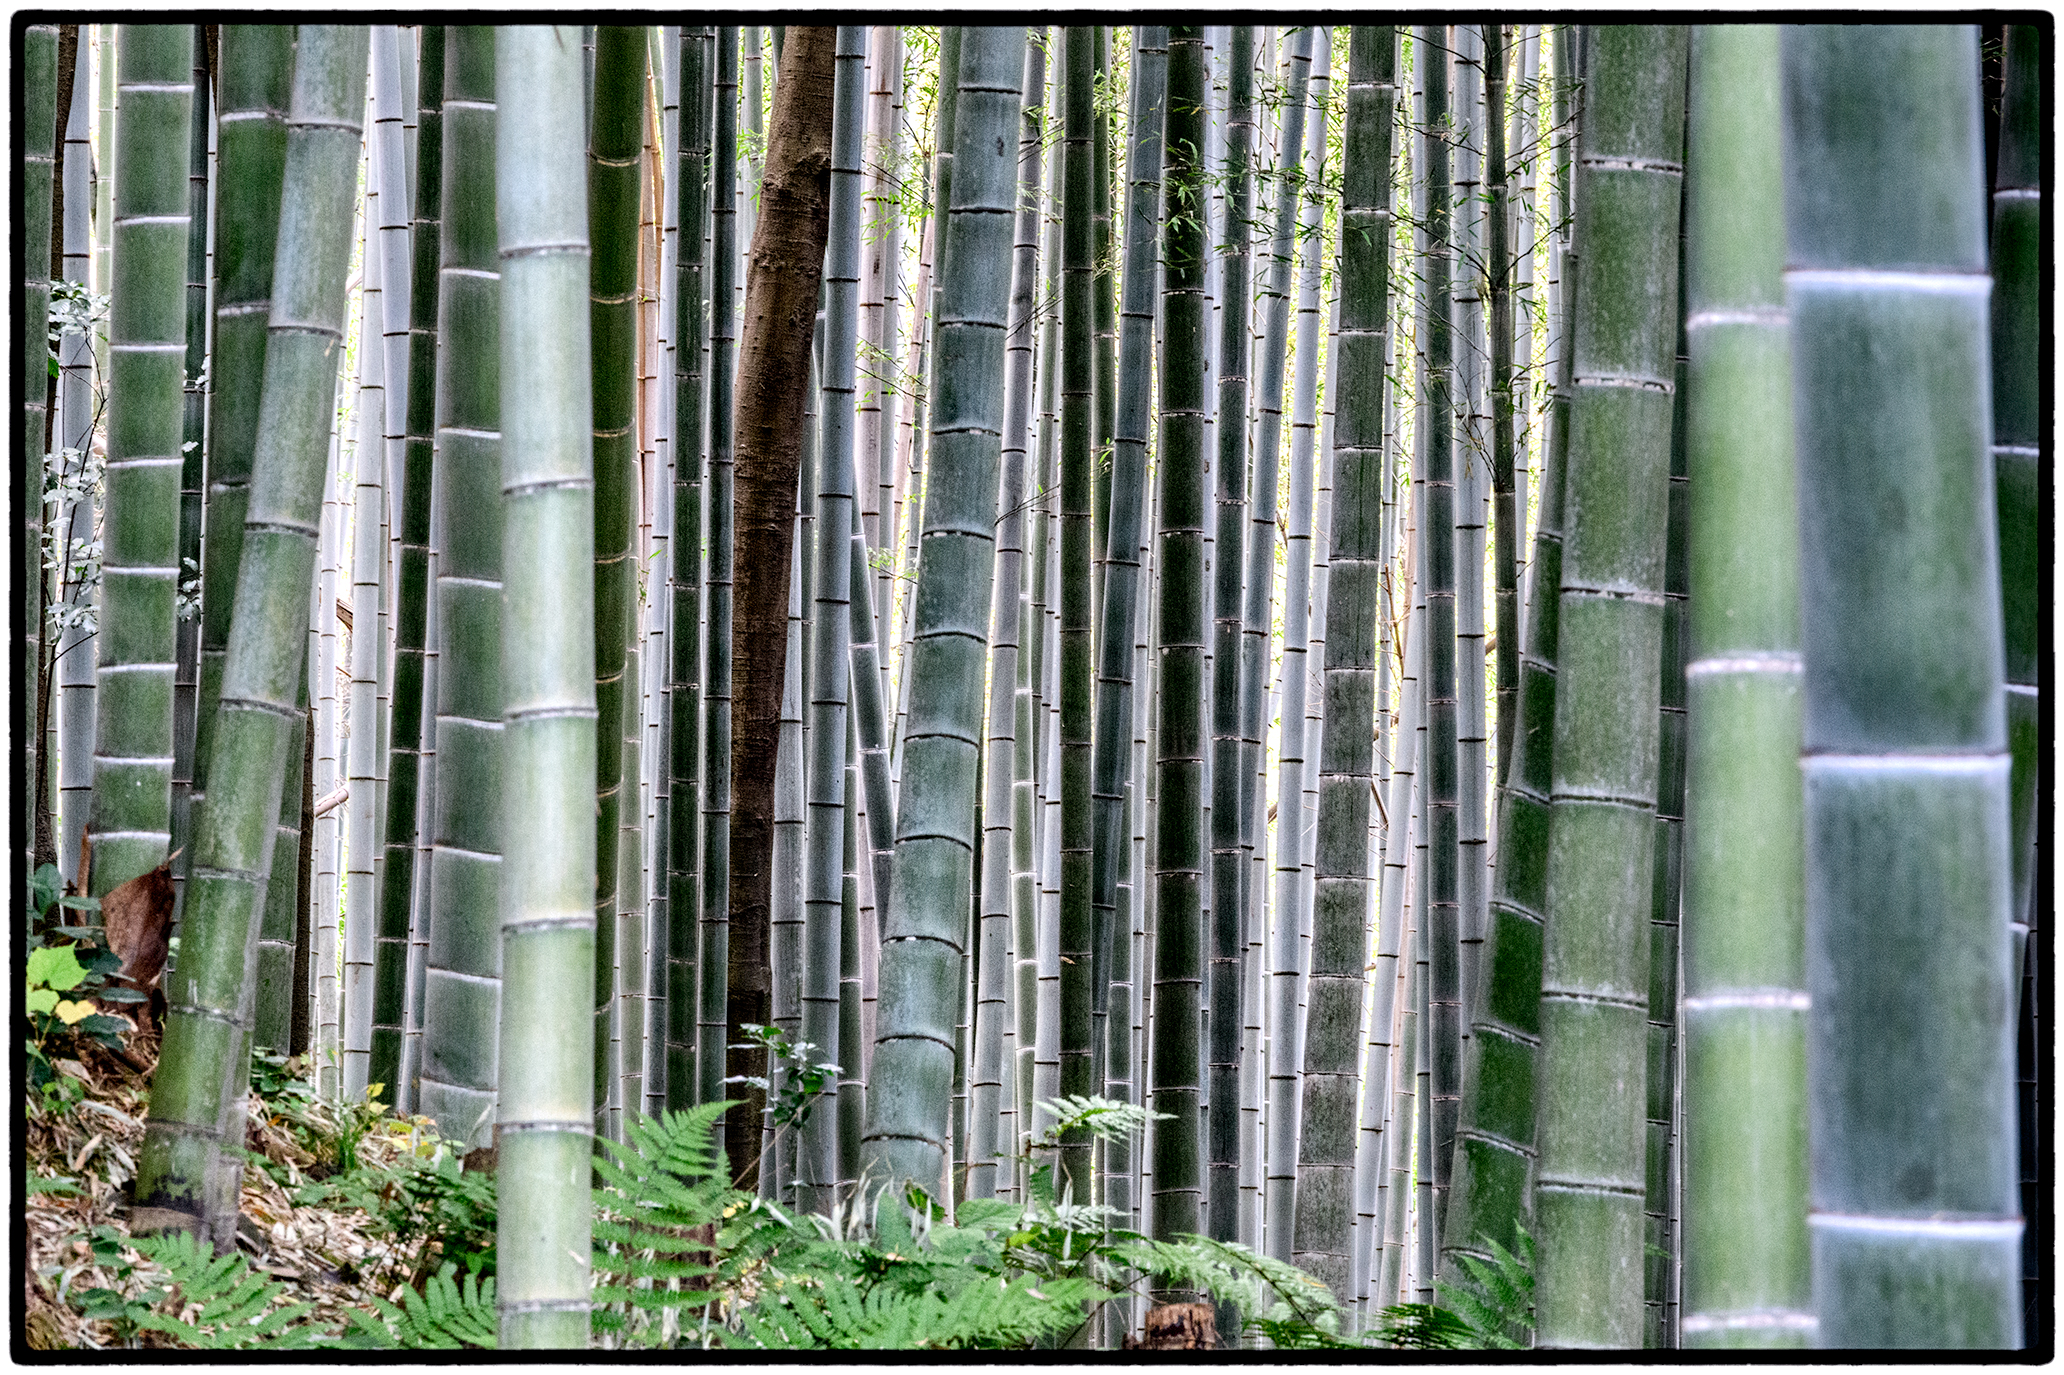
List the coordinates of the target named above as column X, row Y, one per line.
column 368, row 569
column 1303, row 135
column 328, row 1034
column 76, row 522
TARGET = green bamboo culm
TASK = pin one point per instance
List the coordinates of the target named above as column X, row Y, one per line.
column 1111, row 749
column 132, row 747
column 192, row 463
column 192, row 1159
column 712, row 1051
column 831, row 776
column 39, row 159
column 1747, row 1280
column 1595, row 956
column 1440, row 926
column 462, row 979
column 1915, row 1225
column 1508, row 514
column 1178, row 864
column 1078, row 481
column 924, row 934
column 2018, row 468
column 615, row 142
column 1229, row 886
column 1491, row 1189
column 250, row 161
column 410, row 758
column 1342, row 886
column 2017, row 427
column 547, row 888
column 1004, row 830
column 685, row 635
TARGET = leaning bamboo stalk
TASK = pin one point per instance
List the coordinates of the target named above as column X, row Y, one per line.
column 547, row 904
column 191, row 1164
column 923, row 936
column 1747, row 1269
column 1915, row 1223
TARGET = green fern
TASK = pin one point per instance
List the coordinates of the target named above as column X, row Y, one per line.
column 665, row 1192
column 1491, row 1310
column 447, row 1315
column 236, row 1306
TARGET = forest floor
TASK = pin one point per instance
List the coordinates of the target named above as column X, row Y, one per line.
column 82, row 1143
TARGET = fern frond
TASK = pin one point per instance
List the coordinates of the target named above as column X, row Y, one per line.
column 1423, row 1327
column 236, row 1305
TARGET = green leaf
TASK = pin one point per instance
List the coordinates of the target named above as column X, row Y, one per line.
column 41, row 999
column 55, row 966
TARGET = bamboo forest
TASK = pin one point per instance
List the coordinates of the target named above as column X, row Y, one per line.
column 1284, row 686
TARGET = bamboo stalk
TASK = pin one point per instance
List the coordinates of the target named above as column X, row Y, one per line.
column 1915, row 1221
column 1747, row 1268
column 458, row 1073
column 190, row 1166
column 548, row 717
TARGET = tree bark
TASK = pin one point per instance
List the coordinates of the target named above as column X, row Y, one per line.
column 781, row 285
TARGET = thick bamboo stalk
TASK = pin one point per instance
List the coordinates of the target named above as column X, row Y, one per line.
column 924, row 933
column 1228, row 771
column 132, row 777
column 1595, row 948
column 326, row 894
column 191, row 1164
column 1747, row 1274
column 685, row 648
column 548, row 716
column 1909, row 877
column 457, row 1075
column 1508, row 515
column 1343, row 892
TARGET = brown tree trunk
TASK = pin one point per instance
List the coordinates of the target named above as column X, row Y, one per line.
column 786, row 265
